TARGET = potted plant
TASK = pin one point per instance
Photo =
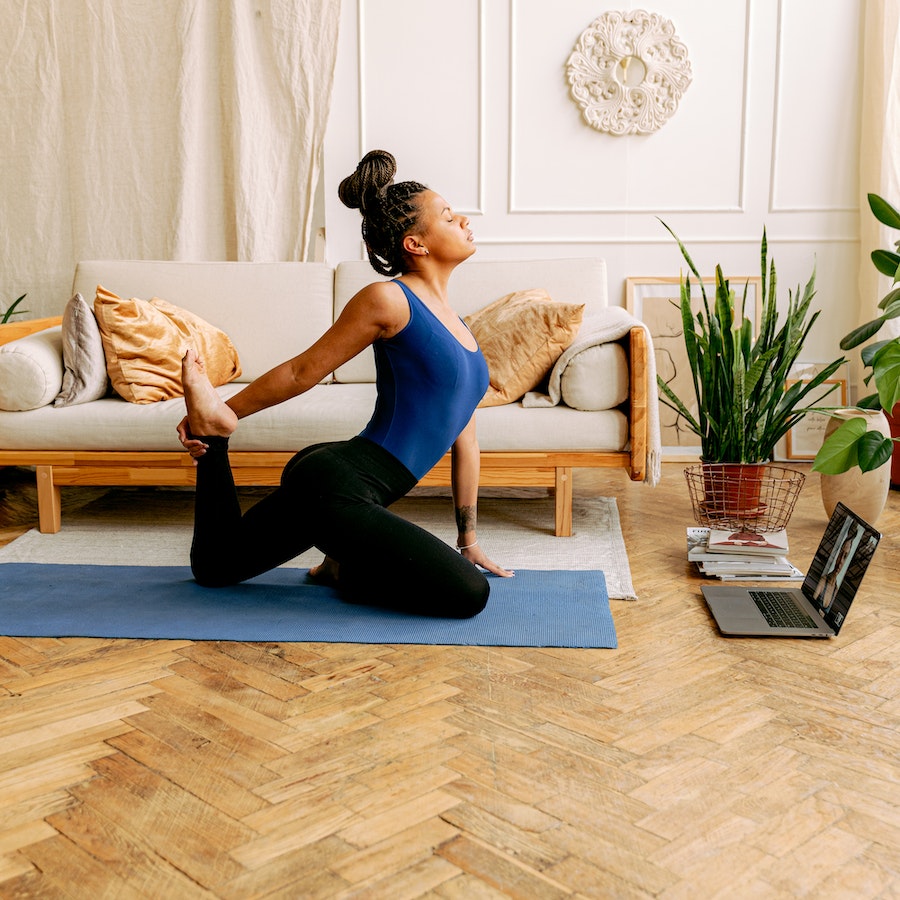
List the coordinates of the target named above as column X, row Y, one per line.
column 852, row 444
column 744, row 406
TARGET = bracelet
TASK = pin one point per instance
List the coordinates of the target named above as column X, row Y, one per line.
column 467, row 546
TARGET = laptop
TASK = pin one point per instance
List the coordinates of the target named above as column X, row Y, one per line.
column 820, row 606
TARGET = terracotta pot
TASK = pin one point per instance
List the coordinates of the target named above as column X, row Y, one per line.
column 732, row 489
column 863, row 492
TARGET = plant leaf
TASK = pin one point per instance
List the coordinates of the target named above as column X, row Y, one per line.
column 873, row 450
column 890, row 297
column 674, row 403
column 886, row 262
column 11, row 311
column 868, row 352
column 839, row 452
column 886, row 369
column 862, row 334
column 870, row 402
column 883, row 211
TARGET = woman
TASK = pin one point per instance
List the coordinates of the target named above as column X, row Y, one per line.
column 430, row 377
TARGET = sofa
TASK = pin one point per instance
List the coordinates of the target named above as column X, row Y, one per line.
column 590, row 410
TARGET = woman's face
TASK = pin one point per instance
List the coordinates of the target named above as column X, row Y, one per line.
column 444, row 233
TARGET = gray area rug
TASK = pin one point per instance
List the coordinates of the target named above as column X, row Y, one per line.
column 152, row 527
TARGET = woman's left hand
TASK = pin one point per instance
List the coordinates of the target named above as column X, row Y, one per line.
column 477, row 556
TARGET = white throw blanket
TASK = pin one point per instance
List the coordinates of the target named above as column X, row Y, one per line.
column 612, row 324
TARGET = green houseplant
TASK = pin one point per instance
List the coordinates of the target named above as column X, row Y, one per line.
column 852, row 444
column 11, row 310
column 744, row 406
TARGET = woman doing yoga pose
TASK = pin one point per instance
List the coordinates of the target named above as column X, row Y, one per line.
column 430, row 377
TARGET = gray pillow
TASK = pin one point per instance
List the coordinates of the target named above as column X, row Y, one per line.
column 84, row 376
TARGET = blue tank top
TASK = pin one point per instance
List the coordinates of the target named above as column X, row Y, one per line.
column 428, row 386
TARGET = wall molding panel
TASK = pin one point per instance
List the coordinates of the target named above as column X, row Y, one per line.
column 402, row 85
column 812, row 103
column 628, row 158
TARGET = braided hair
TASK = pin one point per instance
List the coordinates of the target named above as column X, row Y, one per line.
column 390, row 211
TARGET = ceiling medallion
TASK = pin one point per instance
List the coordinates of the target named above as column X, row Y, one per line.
column 628, row 72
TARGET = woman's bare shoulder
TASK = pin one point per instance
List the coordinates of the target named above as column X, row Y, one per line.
column 383, row 301
column 379, row 290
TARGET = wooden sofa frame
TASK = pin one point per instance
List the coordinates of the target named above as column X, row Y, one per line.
column 552, row 469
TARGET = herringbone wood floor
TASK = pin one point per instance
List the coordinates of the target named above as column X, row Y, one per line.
column 680, row 765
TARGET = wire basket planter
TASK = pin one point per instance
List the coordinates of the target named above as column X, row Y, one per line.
column 743, row 497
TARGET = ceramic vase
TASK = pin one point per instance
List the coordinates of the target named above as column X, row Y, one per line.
column 863, row 492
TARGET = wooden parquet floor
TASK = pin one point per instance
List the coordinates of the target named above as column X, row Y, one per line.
column 680, row 765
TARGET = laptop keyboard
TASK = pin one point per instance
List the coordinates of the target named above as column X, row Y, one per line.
column 780, row 610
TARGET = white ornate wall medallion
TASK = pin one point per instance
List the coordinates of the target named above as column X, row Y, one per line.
column 628, row 71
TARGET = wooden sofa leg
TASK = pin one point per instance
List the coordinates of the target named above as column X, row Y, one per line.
column 49, row 501
column 564, row 501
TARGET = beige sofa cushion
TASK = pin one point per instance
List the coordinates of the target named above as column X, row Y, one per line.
column 145, row 341
column 31, row 370
column 521, row 336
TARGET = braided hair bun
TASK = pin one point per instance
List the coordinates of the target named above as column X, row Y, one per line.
column 373, row 175
column 390, row 211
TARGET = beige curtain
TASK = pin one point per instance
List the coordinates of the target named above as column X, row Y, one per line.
column 879, row 146
column 177, row 129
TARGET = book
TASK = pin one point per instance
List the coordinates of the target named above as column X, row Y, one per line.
column 797, row 576
column 747, row 542
column 776, row 566
column 698, row 548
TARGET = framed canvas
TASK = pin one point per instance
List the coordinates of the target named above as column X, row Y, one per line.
column 805, row 438
column 656, row 302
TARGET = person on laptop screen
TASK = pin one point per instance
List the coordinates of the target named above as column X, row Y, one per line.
column 838, row 580
column 833, row 575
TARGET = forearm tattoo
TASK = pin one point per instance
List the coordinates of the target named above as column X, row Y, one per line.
column 465, row 518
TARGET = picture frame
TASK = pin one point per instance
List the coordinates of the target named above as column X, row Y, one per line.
column 802, row 442
column 656, row 303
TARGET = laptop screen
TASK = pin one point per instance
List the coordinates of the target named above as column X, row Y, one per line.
column 837, row 569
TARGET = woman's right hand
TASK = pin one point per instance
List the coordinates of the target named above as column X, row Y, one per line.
column 191, row 444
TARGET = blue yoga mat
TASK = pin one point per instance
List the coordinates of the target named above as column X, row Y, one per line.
column 533, row 609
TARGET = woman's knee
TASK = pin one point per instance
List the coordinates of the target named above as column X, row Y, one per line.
column 209, row 577
column 465, row 598
column 212, row 571
column 475, row 600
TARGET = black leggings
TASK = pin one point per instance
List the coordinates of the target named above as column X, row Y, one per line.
column 332, row 496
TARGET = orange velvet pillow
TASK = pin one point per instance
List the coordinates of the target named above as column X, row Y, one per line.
column 521, row 336
column 144, row 342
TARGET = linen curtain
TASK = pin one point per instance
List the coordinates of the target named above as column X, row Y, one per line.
column 879, row 148
column 158, row 129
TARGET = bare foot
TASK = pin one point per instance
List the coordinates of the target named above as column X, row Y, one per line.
column 207, row 412
column 327, row 571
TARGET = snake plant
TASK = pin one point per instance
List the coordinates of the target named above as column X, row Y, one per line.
column 744, row 406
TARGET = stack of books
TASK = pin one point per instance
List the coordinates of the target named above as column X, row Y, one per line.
column 741, row 555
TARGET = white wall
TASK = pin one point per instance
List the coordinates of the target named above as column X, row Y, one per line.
column 472, row 99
